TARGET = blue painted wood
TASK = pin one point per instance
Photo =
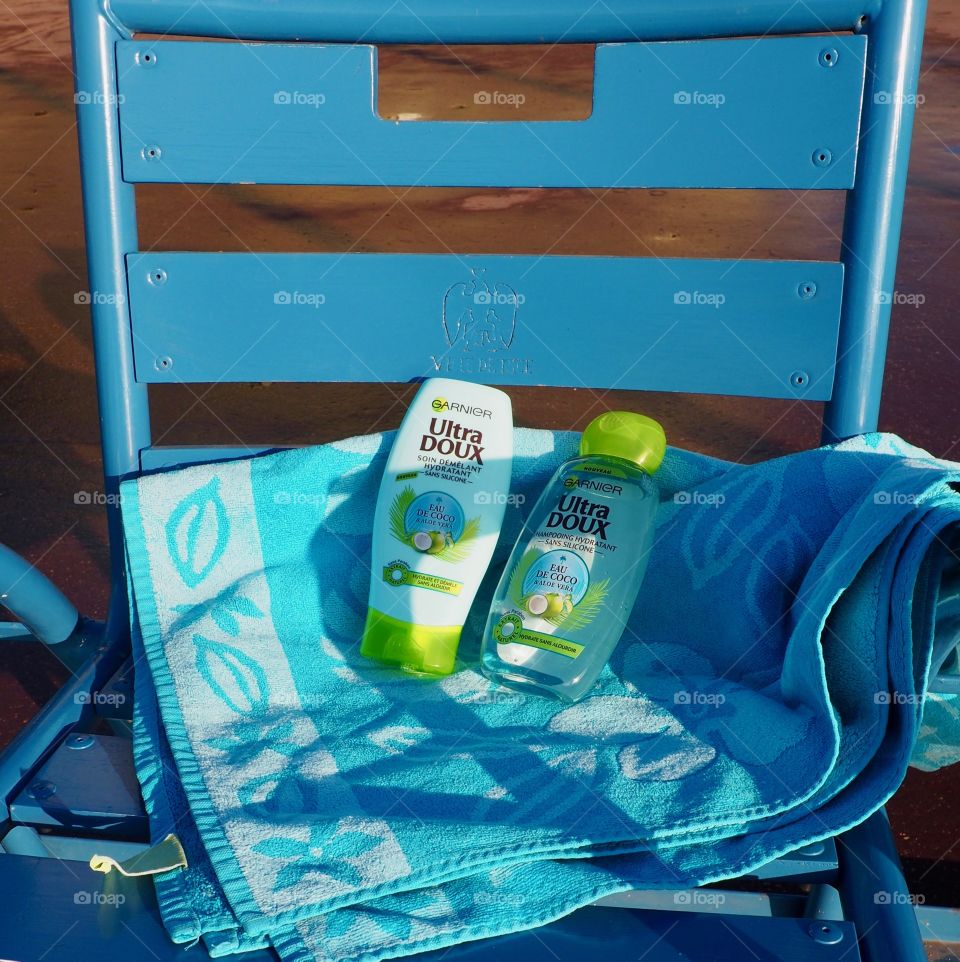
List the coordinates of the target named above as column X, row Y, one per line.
column 88, row 784
column 724, row 113
column 718, row 327
column 494, row 21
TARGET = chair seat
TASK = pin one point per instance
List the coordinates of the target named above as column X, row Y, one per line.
column 55, row 900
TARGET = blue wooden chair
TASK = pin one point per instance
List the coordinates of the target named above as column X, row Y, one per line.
column 753, row 94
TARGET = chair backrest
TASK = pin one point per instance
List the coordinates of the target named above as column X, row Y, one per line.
column 747, row 97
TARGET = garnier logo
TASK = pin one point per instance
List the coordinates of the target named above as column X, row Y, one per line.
column 442, row 404
column 604, row 487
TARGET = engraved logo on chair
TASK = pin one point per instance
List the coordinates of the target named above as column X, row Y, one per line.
column 480, row 324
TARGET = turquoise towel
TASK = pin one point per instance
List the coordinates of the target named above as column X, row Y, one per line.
column 768, row 693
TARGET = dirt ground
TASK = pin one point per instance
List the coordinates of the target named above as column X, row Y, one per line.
column 48, row 418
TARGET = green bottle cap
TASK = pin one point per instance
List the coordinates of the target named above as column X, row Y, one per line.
column 623, row 434
column 430, row 649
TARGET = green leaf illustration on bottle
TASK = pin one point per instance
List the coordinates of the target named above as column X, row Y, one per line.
column 555, row 607
column 437, row 542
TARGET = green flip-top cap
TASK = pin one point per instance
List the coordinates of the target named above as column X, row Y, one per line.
column 623, row 434
column 430, row 649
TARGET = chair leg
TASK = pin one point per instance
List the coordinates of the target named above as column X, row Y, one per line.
column 875, row 895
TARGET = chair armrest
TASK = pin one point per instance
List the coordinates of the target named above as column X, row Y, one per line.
column 35, row 600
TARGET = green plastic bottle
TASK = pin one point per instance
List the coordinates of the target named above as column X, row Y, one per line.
column 573, row 576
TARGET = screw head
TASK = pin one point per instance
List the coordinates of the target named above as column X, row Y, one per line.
column 151, row 152
column 825, row 933
column 812, row 850
column 799, row 379
column 146, row 58
column 822, row 157
column 163, row 363
column 157, row 276
column 79, row 741
column 829, row 57
column 807, row 290
column 41, row 790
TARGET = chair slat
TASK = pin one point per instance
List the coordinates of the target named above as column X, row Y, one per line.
column 765, row 328
column 777, row 113
column 494, row 21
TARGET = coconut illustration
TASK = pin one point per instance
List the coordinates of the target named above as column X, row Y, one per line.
column 554, row 605
column 422, row 540
column 439, row 540
column 537, row 604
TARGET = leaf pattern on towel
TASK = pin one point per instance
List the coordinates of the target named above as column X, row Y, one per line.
column 238, row 680
column 197, row 533
column 316, row 855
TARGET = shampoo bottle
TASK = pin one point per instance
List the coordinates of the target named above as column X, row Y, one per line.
column 436, row 524
column 572, row 579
